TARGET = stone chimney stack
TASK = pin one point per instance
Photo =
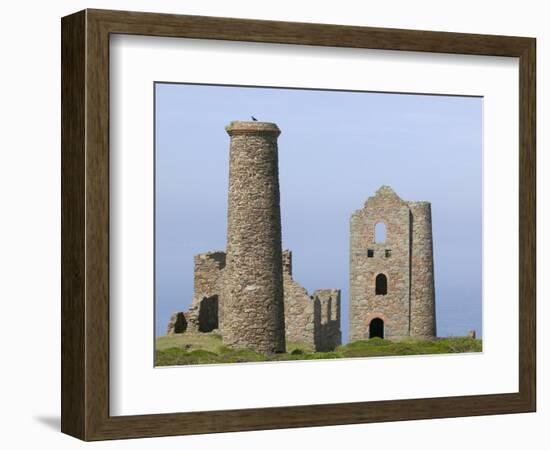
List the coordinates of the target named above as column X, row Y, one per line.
column 422, row 272
column 253, row 304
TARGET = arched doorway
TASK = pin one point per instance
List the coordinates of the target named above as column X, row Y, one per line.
column 376, row 328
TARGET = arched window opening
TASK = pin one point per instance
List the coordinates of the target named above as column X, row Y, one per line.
column 380, row 232
column 381, row 284
column 376, row 328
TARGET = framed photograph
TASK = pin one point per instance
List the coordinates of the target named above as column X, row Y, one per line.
column 272, row 225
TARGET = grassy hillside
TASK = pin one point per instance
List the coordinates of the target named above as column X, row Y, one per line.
column 207, row 348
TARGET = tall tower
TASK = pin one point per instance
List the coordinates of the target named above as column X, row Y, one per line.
column 253, row 304
column 422, row 271
column 391, row 275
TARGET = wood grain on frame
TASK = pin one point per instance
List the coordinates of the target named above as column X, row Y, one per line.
column 85, row 224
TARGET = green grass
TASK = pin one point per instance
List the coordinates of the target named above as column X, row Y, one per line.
column 207, row 348
column 190, row 341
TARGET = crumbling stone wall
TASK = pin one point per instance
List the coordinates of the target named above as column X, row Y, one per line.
column 299, row 307
column 253, row 305
column 405, row 259
column 311, row 319
column 203, row 314
column 327, row 319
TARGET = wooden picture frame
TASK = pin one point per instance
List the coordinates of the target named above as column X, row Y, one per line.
column 85, row 224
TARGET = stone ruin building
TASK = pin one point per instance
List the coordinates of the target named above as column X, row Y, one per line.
column 310, row 319
column 392, row 291
column 247, row 293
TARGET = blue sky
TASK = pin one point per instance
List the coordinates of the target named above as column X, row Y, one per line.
column 335, row 150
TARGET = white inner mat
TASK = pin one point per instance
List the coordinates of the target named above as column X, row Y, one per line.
column 136, row 387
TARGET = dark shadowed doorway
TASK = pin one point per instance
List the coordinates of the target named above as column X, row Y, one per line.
column 376, row 328
column 208, row 314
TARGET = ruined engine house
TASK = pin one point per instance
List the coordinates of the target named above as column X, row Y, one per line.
column 392, row 291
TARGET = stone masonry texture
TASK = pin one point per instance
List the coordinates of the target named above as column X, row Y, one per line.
column 253, row 305
column 405, row 259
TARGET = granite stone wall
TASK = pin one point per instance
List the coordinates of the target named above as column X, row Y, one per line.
column 253, row 306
